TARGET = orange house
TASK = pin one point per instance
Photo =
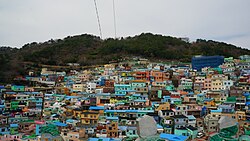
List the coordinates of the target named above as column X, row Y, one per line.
column 157, row 75
column 140, row 75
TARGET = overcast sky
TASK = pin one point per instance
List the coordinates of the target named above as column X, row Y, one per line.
column 24, row 21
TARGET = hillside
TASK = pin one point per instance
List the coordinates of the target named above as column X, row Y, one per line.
column 88, row 50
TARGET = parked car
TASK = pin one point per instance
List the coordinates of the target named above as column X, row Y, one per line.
column 200, row 135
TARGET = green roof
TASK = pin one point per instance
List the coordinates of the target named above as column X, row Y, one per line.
column 231, row 99
column 50, row 129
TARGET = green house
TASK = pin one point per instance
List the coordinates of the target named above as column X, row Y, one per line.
column 229, row 59
column 18, row 88
column 181, row 131
column 170, row 87
column 13, row 129
column 176, row 101
column 132, row 132
column 192, row 131
column 14, row 105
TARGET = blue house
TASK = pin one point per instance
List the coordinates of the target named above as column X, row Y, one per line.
column 122, row 88
column 199, row 62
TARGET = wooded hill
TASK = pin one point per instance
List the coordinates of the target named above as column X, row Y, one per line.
column 89, row 50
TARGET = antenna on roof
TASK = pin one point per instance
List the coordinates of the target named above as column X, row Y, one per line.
column 98, row 19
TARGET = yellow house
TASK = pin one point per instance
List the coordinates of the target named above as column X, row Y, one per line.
column 163, row 106
column 89, row 118
column 209, row 102
column 113, row 100
column 112, row 130
column 216, row 84
column 240, row 115
column 78, row 88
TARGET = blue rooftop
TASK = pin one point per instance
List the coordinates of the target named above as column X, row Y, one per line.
column 120, row 94
column 191, row 93
column 140, row 100
column 201, row 94
column 103, row 139
column 246, row 94
column 10, row 92
column 60, row 124
column 129, row 111
column 216, row 111
column 172, row 137
column 248, row 103
column 14, row 125
column 103, row 94
column 96, row 107
column 112, row 118
column 136, row 95
column 70, row 120
column 123, row 128
column 159, row 126
column 191, row 117
column 71, row 96
column 208, row 99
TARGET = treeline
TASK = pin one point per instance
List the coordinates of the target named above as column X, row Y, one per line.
column 88, row 50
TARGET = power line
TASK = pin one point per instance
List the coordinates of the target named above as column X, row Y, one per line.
column 98, row 19
column 114, row 17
